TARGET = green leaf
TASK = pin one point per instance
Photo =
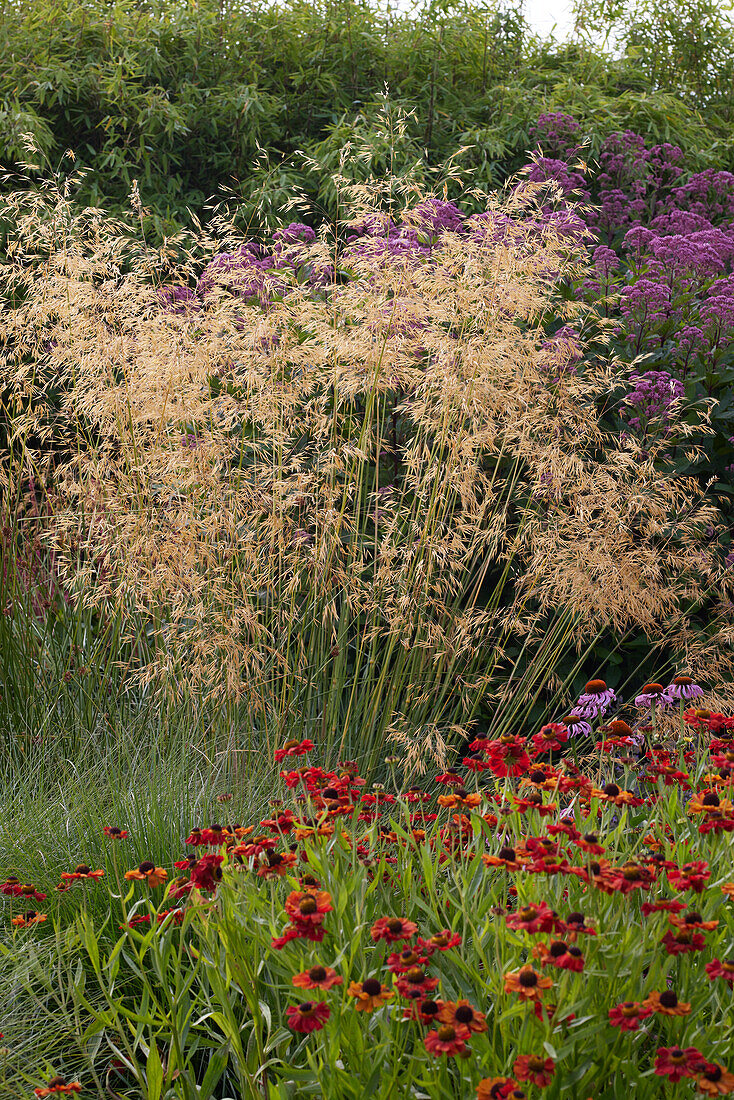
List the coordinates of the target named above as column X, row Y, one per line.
column 215, row 1069
column 154, row 1073
column 575, row 1075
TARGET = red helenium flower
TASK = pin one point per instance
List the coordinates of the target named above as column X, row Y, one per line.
column 535, row 918
column 718, row 969
column 308, row 907
column 206, row 873
column 393, row 929
column 691, row 876
column 683, row 941
column 293, row 748
column 441, row 941
column 531, row 1067
column 308, row 1016
column 627, row 1015
column 675, row 1063
column 448, row 1039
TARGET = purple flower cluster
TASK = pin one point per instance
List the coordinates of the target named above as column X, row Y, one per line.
column 412, row 240
column 645, row 301
column 704, row 252
column 253, row 271
column 661, row 247
column 709, row 194
column 438, row 217
column 558, row 134
column 651, row 398
column 406, row 242
column 605, row 260
column 291, row 234
column 663, row 270
column 180, row 300
column 560, row 352
column 572, row 183
column 606, row 265
column 622, row 181
column 633, row 179
column 679, row 223
column 241, row 273
column 261, row 271
column 717, row 309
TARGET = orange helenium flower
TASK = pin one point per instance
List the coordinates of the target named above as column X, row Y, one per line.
column 692, row 919
column 23, row 920
column 461, row 1014
column 56, row 1086
column 527, row 983
column 715, row 1080
column 495, row 1088
column 708, row 802
column 81, row 871
column 147, row 872
column 667, row 1004
column 611, row 792
column 275, row 864
column 507, row 857
column 370, row 994
column 460, row 797
column 318, row 977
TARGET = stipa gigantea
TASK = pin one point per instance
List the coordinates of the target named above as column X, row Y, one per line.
column 392, row 481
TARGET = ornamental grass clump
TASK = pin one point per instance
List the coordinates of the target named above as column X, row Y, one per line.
column 343, row 477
